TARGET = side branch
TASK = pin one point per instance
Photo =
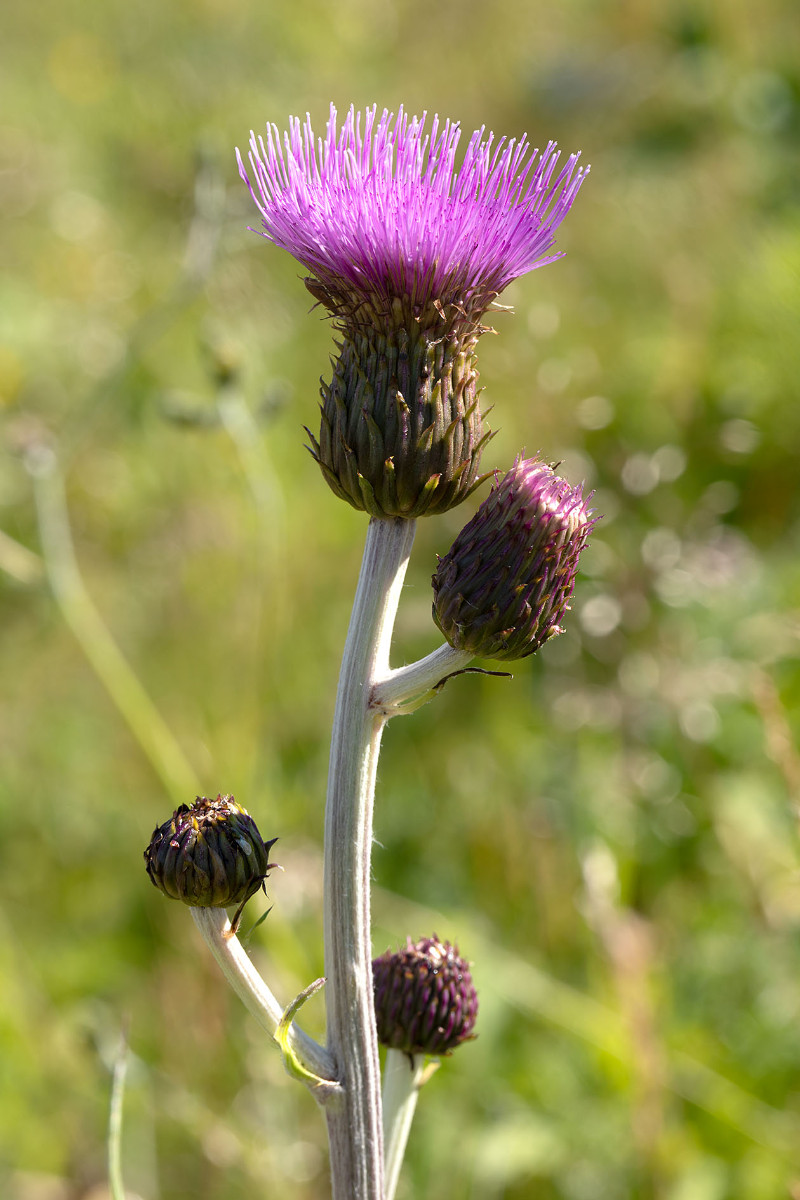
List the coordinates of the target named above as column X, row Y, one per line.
column 408, row 687
column 253, row 991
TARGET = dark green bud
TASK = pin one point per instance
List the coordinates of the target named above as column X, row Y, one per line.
column 425, row 1000
column 402, row 431
column 209, row 855
column 505, row 584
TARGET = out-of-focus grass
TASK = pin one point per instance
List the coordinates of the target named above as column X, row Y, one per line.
column 611, row 836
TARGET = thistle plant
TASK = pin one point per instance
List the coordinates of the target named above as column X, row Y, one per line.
column 408, row 254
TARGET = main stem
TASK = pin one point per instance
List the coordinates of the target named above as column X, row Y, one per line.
column 354, row 1126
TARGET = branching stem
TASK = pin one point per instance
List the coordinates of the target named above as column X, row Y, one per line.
column 255, row 993
column 406, row 688
column 354, row 1129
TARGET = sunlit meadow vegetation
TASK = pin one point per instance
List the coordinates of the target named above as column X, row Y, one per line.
column 611, row 836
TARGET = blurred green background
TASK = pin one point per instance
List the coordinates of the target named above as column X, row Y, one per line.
column 611, row 836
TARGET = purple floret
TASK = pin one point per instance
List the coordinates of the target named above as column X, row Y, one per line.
column 379, row 209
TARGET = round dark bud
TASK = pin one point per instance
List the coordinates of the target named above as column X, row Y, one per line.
column 209, row 855
column 425, row 1000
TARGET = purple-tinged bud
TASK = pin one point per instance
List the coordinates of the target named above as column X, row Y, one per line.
column 505, row 584
column 210, row 855
column 425, row 1000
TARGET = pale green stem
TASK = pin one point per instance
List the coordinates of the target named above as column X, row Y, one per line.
column 402, row 1079
column 253, row 991
column 354, row 1131
column 198, row 260
column 246, row 436
column 115, row 1182
column 79, row 612
column 18, row 561
column 419, row 680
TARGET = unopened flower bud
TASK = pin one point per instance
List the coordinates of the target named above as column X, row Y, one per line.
column 504, row 586
column 210, row 855
column 425, row 1000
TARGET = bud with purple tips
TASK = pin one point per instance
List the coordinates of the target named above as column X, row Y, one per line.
column 504, row 586
column 407, row 254
column 210, row 855
column 425, row 1000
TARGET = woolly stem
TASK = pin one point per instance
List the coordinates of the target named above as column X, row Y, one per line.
column 407, row 687
column 354, row 1128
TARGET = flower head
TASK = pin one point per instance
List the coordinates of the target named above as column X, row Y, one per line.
column 210, row 855
column 378, row 209
column 425, row 1000
column 407, row 253
column 505, row 584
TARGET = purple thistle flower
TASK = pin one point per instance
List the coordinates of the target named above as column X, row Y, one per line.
column 425, row 1000
column 505, row 584
column 383, row 214
column 407, row 253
